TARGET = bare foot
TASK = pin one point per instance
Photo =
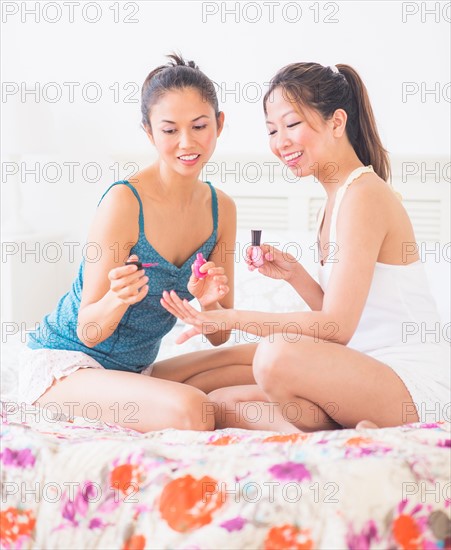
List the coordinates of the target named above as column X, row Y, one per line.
column 366, row 424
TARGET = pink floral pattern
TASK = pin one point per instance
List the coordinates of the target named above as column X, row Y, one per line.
column 100, row 486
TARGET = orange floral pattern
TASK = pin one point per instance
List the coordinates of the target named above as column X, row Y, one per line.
column 407, row 533
column 187, row 503
column 135, row 542
column 286, row 437
column 224, row 440
column 358, row 441
column 15, row 526
column 126, row 478
column 288, row 536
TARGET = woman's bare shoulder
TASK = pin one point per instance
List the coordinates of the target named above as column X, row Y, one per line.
column 120, row 198
column 142, row 181
column 370, row 189
column 226, row 200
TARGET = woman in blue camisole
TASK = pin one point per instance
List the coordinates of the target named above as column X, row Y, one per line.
column 108, row 328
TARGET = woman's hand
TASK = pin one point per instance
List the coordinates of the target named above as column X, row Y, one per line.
column 127, row 284
column 213, row 288
column 203, row 322
column 277, row 264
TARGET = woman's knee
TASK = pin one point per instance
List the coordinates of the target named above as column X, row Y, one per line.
column 225, row 403
column 192, row 411
column 268, row 361
column 276, row 357
column 221, row 395
column 222, row 401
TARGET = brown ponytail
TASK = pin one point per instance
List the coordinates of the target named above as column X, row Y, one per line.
column 366, row 141
column 326, row 90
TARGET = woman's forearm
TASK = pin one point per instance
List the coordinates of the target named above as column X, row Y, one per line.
column 98, row 321
column 315, row 324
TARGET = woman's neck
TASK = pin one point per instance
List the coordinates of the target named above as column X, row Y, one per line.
column 337, row 171
column 174, row 186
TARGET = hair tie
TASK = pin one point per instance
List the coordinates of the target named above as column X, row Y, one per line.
column 333, row 68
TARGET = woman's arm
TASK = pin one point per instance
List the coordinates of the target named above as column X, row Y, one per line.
column 109, row 287
column 223, row 255
column 282, row 265
column 361, row 230
column 307, row 288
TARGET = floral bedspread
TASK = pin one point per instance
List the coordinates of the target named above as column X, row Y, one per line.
column 82, row 485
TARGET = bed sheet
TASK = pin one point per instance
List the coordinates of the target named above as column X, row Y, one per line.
column 85, row 484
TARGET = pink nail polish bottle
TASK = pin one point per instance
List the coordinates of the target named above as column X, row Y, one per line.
column 200, row 260
column 257, row 252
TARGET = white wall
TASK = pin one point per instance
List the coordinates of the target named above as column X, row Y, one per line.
column 240, row 56
column 368, row 35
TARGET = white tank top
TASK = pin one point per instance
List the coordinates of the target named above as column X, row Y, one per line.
column 399, row 299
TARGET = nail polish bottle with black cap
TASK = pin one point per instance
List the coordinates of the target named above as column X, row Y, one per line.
column 257, row 252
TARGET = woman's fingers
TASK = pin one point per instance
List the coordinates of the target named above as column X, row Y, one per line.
column 128, row 283
column 221, row 279
column 140, row 296
column 172, row 310
column 206, row 266
column 168, row 307
column 266, row 253
column 132, row 287
column 187, row 335
column 124, row 271
column 183, row 304
column 179, row 308
column 172, row 306
column 269, row 252
column 182, row 309
column 193, row 277
column 188, row 314
column 211, row 269
column 217, row 274
column 214, row 271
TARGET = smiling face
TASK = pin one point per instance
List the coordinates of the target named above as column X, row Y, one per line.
column 299, row 141
column 184, row 130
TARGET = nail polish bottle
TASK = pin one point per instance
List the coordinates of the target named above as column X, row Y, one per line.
column 200, row 260
column 257, row 252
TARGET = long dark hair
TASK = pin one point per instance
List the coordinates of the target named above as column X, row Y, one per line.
column 175, row 75
column 326, row 90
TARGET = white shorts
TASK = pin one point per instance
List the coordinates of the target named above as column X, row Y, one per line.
column 426, row 373
column 39, row 368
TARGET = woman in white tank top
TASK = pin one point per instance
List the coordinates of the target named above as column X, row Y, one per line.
column 354, row 356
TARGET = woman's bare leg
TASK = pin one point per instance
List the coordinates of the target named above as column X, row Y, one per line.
column 247, row 407
column 209, row 370
column 132, row 400
column 344, row 383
